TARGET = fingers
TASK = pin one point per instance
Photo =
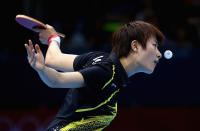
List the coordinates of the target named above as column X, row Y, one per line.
column 43, row 36
column 49, row 27
column 30, row 45
column 37, row 48
column 32, row 58
column 46, row 33
column 30, row 52
column 37, row 29
column 35, row 56
column 29, row 48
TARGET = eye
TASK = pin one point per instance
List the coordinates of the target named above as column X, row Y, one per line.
column 156, row 45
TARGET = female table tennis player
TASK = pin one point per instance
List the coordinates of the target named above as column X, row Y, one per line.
column 95, row 78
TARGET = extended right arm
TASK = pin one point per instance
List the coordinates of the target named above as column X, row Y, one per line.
column 58, row 60
column 54, row 57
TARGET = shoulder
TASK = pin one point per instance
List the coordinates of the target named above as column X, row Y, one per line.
column 97, row 70
column 89, row 59
column 95, row 55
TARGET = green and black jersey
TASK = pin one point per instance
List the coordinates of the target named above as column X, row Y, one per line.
column 93, row 107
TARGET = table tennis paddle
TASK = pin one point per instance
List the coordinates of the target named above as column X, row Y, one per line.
column 32, row 24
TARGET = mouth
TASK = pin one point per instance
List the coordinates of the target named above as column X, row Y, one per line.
column 156, row 61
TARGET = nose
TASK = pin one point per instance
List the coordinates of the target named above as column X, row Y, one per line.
column 159, row 55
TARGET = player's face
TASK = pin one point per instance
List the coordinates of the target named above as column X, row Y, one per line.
column 150, row 56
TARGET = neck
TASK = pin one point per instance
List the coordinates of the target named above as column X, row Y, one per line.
column 129, row 65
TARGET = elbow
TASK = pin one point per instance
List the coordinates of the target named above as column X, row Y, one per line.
column 52, row 85
column 50, row 60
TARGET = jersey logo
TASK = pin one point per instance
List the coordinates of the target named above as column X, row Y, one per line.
column 97, row 59
column 113, row 85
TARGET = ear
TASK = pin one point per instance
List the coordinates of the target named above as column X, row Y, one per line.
column 134, row 45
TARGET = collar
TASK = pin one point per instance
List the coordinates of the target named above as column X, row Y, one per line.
column 120, row 68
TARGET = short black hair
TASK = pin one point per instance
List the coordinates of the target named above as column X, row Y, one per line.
column 136, row 30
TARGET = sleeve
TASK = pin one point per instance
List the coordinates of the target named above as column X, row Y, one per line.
column 95, row 77
column 80, row 61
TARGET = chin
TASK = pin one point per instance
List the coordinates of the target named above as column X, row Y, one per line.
column 149, row 71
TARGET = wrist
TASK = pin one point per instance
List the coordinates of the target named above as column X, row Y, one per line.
column 55, row 38
column 40, row 69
